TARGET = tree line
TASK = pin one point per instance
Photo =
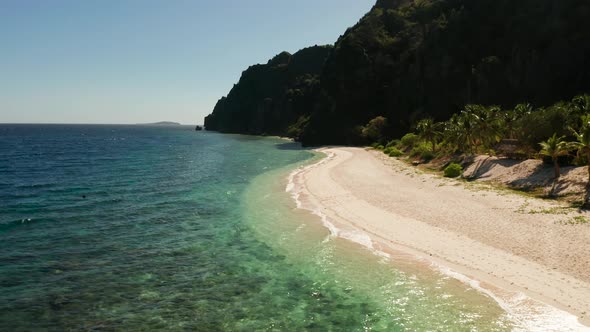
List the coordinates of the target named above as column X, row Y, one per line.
column 560, row 132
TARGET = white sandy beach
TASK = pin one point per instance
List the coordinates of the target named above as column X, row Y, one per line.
column 509, row 243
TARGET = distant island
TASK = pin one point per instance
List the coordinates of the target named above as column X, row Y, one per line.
column 162, row 123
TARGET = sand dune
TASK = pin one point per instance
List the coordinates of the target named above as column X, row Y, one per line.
column 510, row 243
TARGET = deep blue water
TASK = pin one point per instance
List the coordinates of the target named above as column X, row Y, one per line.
column 126, row 226
column 135, row 228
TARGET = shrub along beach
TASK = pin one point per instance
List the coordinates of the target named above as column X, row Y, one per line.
column 558, row 135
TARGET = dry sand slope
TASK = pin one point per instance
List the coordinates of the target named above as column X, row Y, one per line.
column 509, row 242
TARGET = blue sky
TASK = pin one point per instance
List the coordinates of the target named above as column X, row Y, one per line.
column 133, row 61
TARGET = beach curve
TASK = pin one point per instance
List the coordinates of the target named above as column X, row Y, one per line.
column 481, row 238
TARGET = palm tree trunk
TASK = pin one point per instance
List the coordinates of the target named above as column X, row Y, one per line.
column 556, row 168
column 586, row 204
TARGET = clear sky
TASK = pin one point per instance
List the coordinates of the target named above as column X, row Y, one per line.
column 135, row 61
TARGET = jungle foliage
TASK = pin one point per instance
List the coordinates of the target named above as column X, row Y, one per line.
column 408, row 60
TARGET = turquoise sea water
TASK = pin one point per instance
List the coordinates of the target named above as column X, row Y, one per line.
column 126, row 228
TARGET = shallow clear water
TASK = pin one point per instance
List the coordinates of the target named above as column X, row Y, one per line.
column 146, row 228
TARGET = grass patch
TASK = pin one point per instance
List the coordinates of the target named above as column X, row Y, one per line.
column 553, row 210
column 522, row 209
column 577, row 220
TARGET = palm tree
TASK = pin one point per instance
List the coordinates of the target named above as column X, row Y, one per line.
column 489, row 126
column 581, row 104
column 429, row 131
column 467, row 121
column 583, row 142
column 482, row 126
column 453, row 134
column 583, row 146
column 555, row 147
column 578, row 109
column 512, row 117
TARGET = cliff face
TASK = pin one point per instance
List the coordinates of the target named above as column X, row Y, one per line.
column 270, row 97
column 407, row 59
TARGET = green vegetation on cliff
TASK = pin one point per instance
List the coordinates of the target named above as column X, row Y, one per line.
column 271, row 97
column 408, row 60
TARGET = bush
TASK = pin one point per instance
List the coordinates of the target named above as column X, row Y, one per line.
column 395, row 152
column 453, row 170
column 541, row 124
column 424, row 150
column 581, row 160
column 395, row 143
column 375, row 129
column 409, row 140
column 427, row 155
column 377, row 146
column 296, row 129
column 392, row 151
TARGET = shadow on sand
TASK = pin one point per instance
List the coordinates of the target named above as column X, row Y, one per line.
column 528, row 175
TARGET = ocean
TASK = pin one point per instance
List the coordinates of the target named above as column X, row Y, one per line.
column 129, row 228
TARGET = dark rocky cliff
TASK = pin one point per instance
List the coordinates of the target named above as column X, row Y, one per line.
column 270, row 97
column 408, row 59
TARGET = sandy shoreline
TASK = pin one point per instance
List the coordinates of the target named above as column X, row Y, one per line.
column 487, row 236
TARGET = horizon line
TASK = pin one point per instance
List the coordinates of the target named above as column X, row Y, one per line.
column 97, row 124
